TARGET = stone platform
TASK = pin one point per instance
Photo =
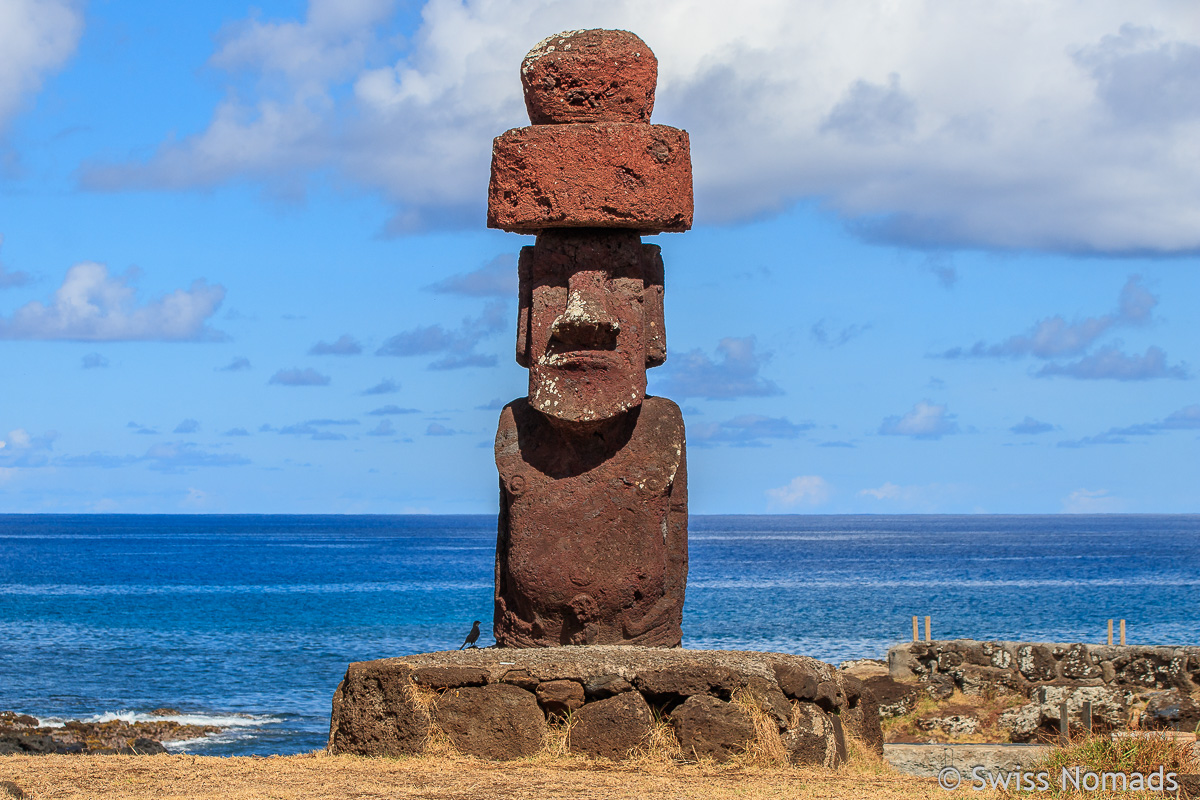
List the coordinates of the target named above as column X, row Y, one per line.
column 496, row 703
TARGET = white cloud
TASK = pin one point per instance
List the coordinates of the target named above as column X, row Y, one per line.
column 36, row 37
column 299, row 377
column 925, row 421
column 1055, row 125
column 803, row 490
column 695, row 374
column 1091, row 501
column 91, row 305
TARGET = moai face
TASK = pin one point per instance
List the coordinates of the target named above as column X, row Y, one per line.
column 590, row 322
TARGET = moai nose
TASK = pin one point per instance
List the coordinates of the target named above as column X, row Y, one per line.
column 586, row 323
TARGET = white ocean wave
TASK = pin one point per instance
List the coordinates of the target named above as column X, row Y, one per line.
column 229, row 721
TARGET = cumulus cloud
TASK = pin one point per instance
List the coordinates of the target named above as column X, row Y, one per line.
column 316, row 429
column 236, row 432
column 695, row 374
column 1109, row 363
column 1090, row 501
column 1082, row 144
column 393, row 409
column 1054, row 337
column 385, row 386
column 926, row 420
column 187, row 426
column 438, row 429
column 36, row 38
column 299, row 377
column 92, row 305
column 21, row 450
column 384, row 428
column 94, row 361
column 826, row 338
column 497, row 278
column 238, row 364
column 185, row 456
column 746, row 430
column 803, row 490
column 1031, row 426
column 456, row 345
column 1185, row 419
column 346, row 345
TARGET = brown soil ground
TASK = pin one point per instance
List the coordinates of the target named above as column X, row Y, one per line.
column 317, row 776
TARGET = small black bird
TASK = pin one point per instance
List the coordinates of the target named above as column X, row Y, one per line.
column 472, row 637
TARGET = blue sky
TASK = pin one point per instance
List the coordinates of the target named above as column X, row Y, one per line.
column 946, row 255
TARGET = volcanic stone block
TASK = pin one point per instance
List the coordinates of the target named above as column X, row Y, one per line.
column 499, row 721
column 597, row 175
column 812, row 741
column 710, row 727
column 796, row 680
column 376, row 713
column 589, row 76
column 612, row 727
column 560, row 697
column 687, row 681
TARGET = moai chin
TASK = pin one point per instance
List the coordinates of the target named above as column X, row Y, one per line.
column 592, row 540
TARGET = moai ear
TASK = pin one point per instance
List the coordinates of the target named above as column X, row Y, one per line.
column 524, row 301
column 652, row 306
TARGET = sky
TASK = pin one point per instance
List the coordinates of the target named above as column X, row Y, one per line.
column 946, row 253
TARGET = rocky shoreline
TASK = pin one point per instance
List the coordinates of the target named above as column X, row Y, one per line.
column 23, row 734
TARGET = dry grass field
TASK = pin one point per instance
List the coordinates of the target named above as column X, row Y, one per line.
column 318, row 776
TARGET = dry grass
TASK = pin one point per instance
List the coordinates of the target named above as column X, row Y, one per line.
column 318, row 776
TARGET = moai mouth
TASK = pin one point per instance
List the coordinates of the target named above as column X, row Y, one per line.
column 592, row 541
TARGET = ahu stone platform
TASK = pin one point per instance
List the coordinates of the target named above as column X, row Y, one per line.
column 496, row 703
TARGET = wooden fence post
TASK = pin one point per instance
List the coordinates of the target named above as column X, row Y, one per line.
column 927, row 634
column 916, row 638
column 1087, row 715
column 1122, row 633
column 1110, row 633
column 1062, row 724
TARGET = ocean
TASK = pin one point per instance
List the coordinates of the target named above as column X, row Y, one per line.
column 249, row 621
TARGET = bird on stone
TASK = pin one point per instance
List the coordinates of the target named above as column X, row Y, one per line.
column 472, row 637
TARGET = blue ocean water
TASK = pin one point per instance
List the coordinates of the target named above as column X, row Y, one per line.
column 250, row 621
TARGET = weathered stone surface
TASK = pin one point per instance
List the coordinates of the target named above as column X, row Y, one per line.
column 443, row 677
column 1041, row 716
column 1171, row 710
column 500, row 721
column 1036, row 662
column 947, row 721
column 376, row 712
column 712, row 728
column 939, row 686
column 589, row 76
column 612, row 727
column 798, row 681
column 597, row 175
column 1077, row 663
column 604, row 686
column 379, row 711
column 687, row 681
column 813, row 739
column 560, row 697
column 927, row 760
column 861, row 713
column 895, row 699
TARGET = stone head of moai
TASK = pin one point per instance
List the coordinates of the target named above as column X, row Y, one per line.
column 592, row 544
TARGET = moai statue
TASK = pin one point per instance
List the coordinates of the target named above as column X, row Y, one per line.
column 592, row 541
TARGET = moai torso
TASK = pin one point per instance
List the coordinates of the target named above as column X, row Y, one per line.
column 592, row 540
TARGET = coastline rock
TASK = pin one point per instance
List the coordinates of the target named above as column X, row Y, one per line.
column 1171, row 710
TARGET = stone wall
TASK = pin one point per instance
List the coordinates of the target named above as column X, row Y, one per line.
column 1150, row 687
column 497, row 703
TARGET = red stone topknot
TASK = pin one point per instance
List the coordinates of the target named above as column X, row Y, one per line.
column 589, row 76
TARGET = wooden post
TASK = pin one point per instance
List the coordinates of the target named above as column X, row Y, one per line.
column 916, row 638
column 927, row 635
column 1122, row 633
column 1062, row 724
column 1110, row 633
column 1087, row 715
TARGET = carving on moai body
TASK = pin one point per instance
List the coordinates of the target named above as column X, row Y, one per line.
column 592, row 539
